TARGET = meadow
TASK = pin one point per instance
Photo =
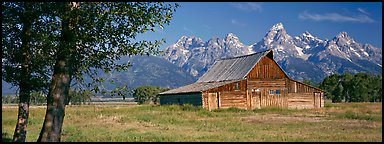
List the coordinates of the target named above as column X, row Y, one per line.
column 343, row 122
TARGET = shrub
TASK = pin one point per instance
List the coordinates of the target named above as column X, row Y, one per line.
column 147, row 94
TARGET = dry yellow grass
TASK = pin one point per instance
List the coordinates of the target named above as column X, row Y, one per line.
column 335, row 122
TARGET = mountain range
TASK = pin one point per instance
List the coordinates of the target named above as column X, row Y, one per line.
column 303, row 57
column 145, row 70
column 152, row 70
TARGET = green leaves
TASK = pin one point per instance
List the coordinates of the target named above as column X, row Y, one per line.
column 361, row 87
column 147, row 94
column 101, row 32
column 26, row 42
column 106, row 31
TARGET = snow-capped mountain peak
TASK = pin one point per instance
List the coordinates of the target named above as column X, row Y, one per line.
column 231, row 35
column 307, row 41
column 186, row 42
column 307, row 34
column 281, row 43
column 343, row 34
column 195, row 54
column 277, row 27
column 231, row 38
column 304, row 57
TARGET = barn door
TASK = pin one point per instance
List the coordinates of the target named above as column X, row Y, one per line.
column 256, row 97
column 213, row 101
column 317, row 100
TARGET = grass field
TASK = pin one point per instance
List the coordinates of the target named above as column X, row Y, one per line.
column 125, row 123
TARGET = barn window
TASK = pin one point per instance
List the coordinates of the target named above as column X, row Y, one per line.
column 271, row 91
column 237, row 86
column 277, row 91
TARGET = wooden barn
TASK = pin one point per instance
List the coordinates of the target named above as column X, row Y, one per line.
column 249, row 82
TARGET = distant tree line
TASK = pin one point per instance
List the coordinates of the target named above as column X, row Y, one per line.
column 8, row 99
column 78, row 97
column 147, row 94
column 360, row 87
column 39, row 98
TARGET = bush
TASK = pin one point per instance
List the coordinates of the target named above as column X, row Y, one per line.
column 147, row 94
column 78, row 97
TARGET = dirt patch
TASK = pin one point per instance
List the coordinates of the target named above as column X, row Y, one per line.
column 276, row 118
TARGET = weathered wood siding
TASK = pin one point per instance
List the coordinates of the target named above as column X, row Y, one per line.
column 301, row 100
column 233, row 99
column 227, row 96
column 230, row 87
column 260, row 96
column 302, row 96
column 272, row 84
column 213, row 101
column 266, row 68
column 266, row 76
column 273, row 100
column 190, row 98
column 297, row 87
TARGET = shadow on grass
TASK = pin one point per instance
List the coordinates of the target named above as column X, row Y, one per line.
column 5, row 137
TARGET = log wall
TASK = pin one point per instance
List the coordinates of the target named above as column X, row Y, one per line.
column 298, row 87
column 227, row 95
column 272, row 84
column 301, row 100
column 302, row 96
column 233, row 99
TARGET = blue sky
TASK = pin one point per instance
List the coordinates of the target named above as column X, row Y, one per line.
column 251, row 20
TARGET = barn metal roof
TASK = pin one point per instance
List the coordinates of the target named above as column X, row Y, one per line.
column 234, row 68
column 197, row 87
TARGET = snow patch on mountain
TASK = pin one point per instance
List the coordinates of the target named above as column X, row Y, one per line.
column 303, row 57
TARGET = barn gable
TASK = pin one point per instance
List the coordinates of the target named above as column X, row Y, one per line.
column 267, row 68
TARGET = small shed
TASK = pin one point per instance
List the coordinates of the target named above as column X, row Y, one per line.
column 249, row 82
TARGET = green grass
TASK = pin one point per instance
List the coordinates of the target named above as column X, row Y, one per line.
column 346, row 122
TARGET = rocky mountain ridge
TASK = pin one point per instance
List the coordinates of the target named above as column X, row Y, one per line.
column 302, row 57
